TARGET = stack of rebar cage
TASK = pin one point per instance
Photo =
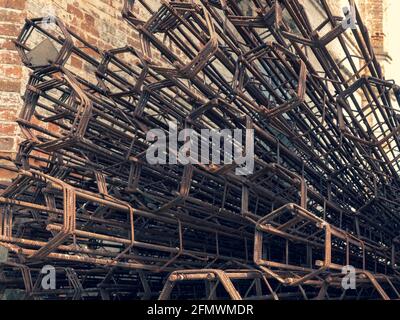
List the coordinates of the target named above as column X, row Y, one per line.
column 325, row 189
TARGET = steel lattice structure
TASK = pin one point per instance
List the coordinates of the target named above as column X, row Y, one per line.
column 324, row 193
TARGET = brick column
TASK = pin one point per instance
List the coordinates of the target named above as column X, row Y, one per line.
column 374, row 14
column 12, row 15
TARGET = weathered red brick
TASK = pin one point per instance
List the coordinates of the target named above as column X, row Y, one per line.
column 88, row 25
column 8, row 129
column 75, row 11
column 14, row 4
column 9, row 57
column 8, row 115
column 7, row 144
column 7, row 29
column 10, row 86
column 11, row 15
column 7, row 44
column 11, row 71
column 76, row 63
column 89, row 19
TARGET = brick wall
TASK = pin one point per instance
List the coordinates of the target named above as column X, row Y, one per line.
column 12, row 14
column 373, row 12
